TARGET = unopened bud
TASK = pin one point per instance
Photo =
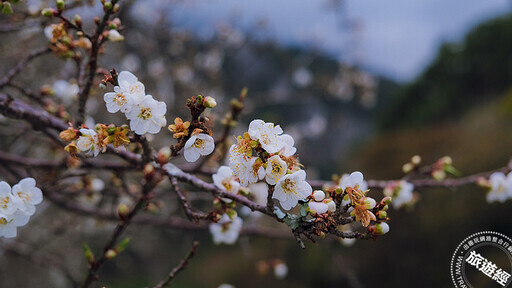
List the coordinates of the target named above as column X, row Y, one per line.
column 382, row 214
column 318, row 195
column 164, row 155
column 209, row 102
column 48, row 12
column 110, row 254
column 115, row 36
column 416, row 160
column 107, row 6
column 89, row 256
column 381, row 228
column 7, row 8
column 60, row 5
column 408, row 167
column 331, row 205
column 149, row 169
column 484, row 183
column 116, row 8
column 386, row 200
column 78, row 20
column 385, row 208
column 438, row 175
column 123, row 210
column 68, row 134
column 447, row 160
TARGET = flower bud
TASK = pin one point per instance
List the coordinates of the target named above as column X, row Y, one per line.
column 48, row 12
column 331, row 205
column 280, row 270
column 68, row 135
column 447, row 160
column 318, row 195
column 416, row 160
column 318, row 207
column 164, row 155
column 122, row 211
column 115, row 36
column 381, row 228
column 386, row 200
column 209, row 102
column 107, row 6
column 78, row 20
column 116, row 8
column 438, row 175
column 408, row 167
column 7, row 8
column 149, row 170
column 382, row 214
column 110, row 254
column 60, row 5
column 369, row 202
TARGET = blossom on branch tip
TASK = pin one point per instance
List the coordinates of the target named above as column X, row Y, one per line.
column 148, row 116
column 9, row 223
column 354, row 186
column 197, row 145
column 291, row 188
column 88, row 142
column 501, row 187
column 400, row 192
column 226, row 230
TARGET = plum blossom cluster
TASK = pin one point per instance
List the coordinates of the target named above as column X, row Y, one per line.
column 499, row 187
column 353, row 189
column 17, row 204
column 401, row 192
column 146, row 114
column 265, row 153
column 93, row 141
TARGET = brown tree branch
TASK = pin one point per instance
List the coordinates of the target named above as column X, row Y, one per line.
column 17, row 69
column 182, row 266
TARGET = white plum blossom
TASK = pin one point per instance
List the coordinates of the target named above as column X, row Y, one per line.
column 148, row 116
column 197, row 145
column 318, row 195
column 248, row 170
column 7, row 203
column 259, row 191
column 287, row 149
column 64, row 90
column 501, row 187
column 400, row 192
column 318, row 207
column 88, row 142
column 17, row 205
column 114, row 35
column 225, row 181
column 267, row 134
column 129, row 93
column 27, row 195
column 354, row 180
column 9, row 223
column 276, row 168
column 226, row 230
column 291, row 188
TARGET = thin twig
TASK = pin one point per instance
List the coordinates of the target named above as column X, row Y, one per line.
column 17, row 69
column 182, row 266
